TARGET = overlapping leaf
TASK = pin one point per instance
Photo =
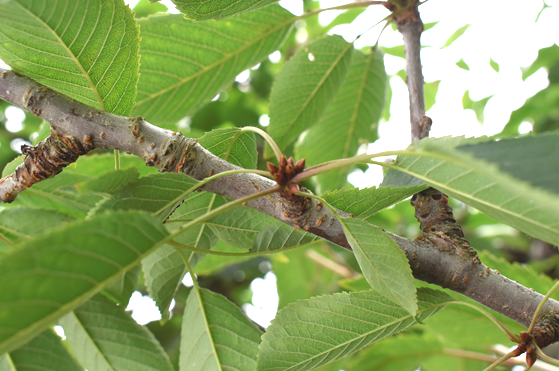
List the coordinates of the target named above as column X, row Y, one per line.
column 305, row 87
column 87, row 50
column 348, row 120
column 185, row 64
column 482, row 184
column 216, row 335
column 45, row 352
column 383, row 264
column 364, row 203
column 104, row 337
column 200, row 10
column 311, row 333
column 48, row 277
column 242, row 153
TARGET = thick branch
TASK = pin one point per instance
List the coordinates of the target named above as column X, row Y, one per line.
column 85, row 128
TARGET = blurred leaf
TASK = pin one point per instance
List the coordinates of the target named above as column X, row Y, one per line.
column 459, row 32
column 478, row 106
column 397, row 51
column 355, row 284
column 310, row 333
column 72, row 54
column 431, row 89
column 299, row 277
column 547, row 57
column 305, row 87
column 494, row 65
column 217, row 9
column 46, row 352
column 366, row 202
column 348, row 119
column 383, row 263
column 482, row 185
column 81, row 258
column 110, row 182
column 344, row 18
column 103, row 336
column 185, row 64
column 428, row 26
column 216, row 335
column 144, row 8
column 463, row 65
column 214, row 263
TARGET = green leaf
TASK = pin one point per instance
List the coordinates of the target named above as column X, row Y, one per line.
column 383, row 263
column 459, row 32
column 60, row 194
column 397, row 51
column 215, row 263
column 528, row 158
column 145, row 8
column 348, row 120
column 310, row 333
column 22, row 223
column 185, row 64
column 305, row 87
column 366, row 202
column 47, row 278
column 277, row 236
column 201, row 10
column 494, row 65
column 45, row 352
column 216, row 335
column 87, row 50
column 299, row 277
column 431, row 89
column 151, row 194
column 437, row 162
column 478, row 106
column 547, row 57
column 104, row 337
column 346, row 17
column 122, row 287
column 111, row 182
column 463, row 65
column 243, row 153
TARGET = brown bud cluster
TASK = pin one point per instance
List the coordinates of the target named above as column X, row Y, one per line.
column 287, row 169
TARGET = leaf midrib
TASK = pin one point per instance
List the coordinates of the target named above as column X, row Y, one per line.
column 369, row 333
column 217, row 63
column 92, row 341
column 72, row 56
column 318, row 86
column 457, row 161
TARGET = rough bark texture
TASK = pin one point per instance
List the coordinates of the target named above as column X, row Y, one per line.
column 85, row 128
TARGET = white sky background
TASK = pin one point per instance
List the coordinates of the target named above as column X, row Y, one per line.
column 502, row 30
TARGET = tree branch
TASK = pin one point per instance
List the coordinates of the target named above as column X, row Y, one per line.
column 79, row 128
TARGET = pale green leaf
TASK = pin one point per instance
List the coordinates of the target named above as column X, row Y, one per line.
column 49, row 277
column 111, row 182
column 185, row 64
column 305, row 87
column 216, row 335
column 277, row 236
column 494, row 65
column 215, row 263
column 201, row 10
column 437, row 162
column 243, row 153
column 311, row 333
column 46, row 352
column 366, row 202
column 85, row 49
column 104, row 337
column 383, row 263
column 459, row 32
column 349, row 119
